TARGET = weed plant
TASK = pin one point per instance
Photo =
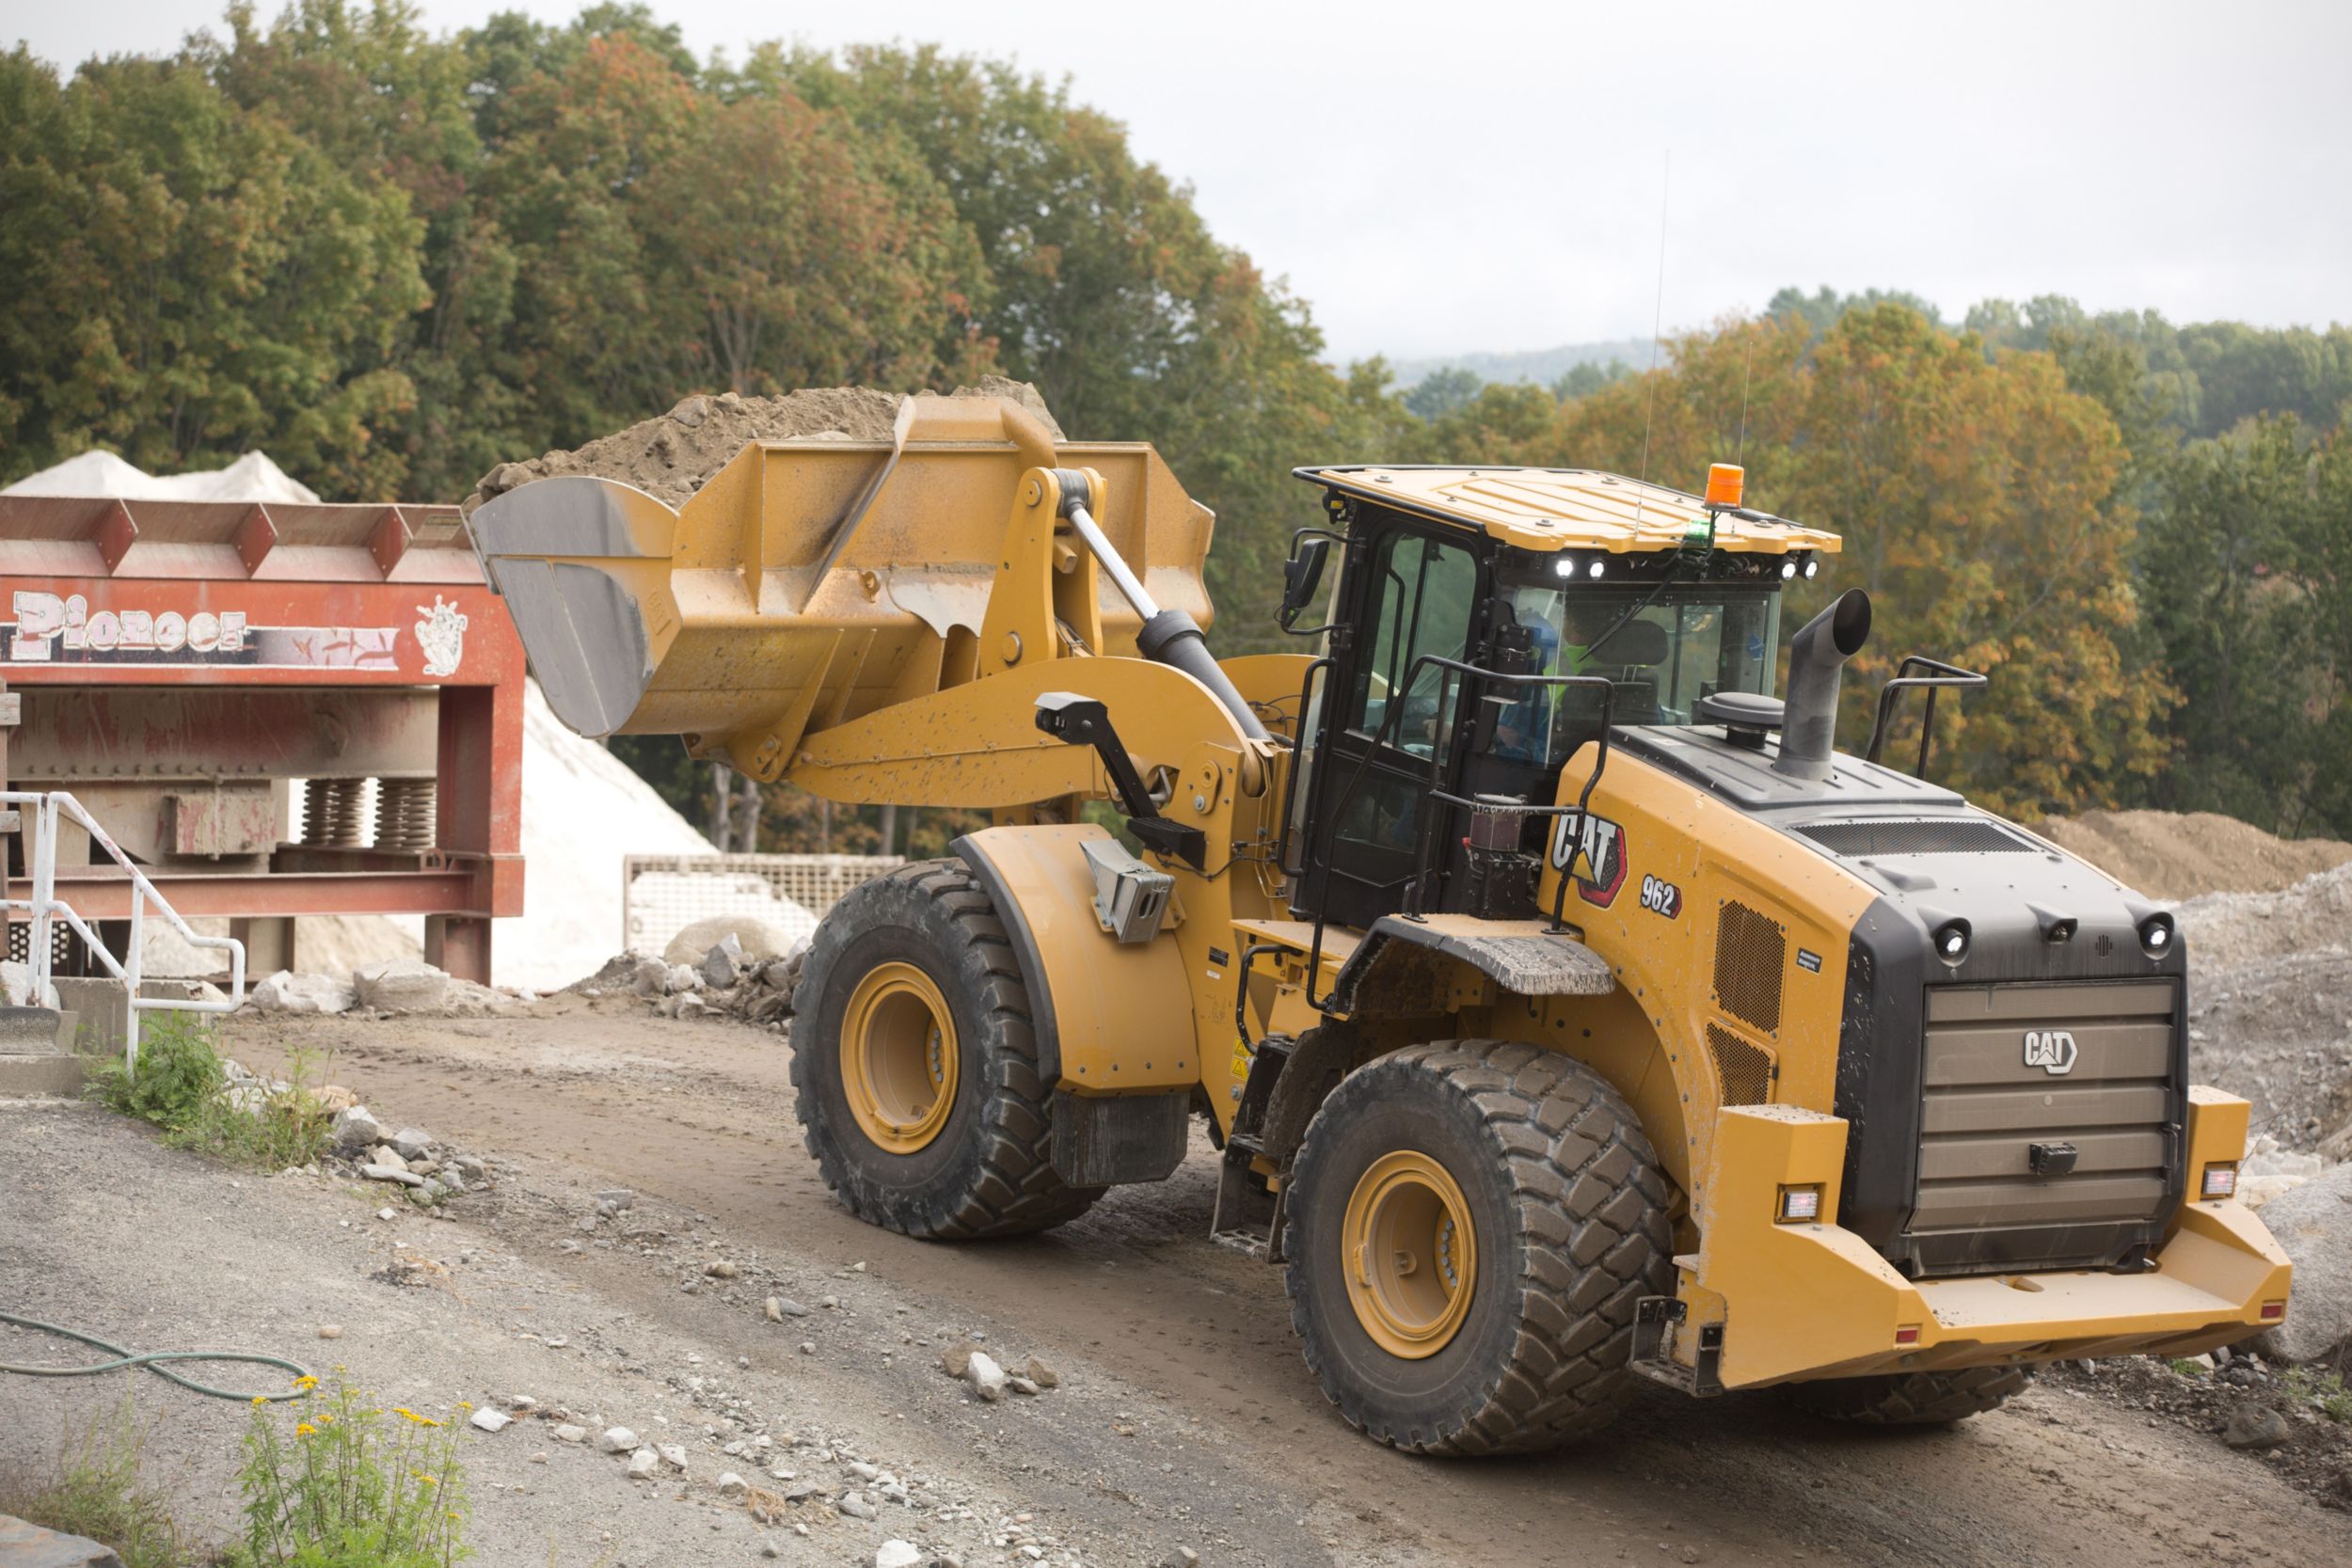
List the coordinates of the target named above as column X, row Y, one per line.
column 336, row 1481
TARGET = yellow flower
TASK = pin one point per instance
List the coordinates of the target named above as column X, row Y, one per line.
column 465, row 1404
column 306, row 1383
column 260, row 1399
column 421, row 1421
column 304, row 1428
column 422, row 1477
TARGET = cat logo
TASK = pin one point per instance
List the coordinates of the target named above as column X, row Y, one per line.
column 2051, row 1050
column 1592, row 850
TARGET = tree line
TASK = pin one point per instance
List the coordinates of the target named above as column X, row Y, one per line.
column 394, row 260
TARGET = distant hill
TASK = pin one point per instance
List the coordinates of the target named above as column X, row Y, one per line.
column 1543, row 366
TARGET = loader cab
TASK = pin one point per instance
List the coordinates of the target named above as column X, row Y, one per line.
column 1414, row 701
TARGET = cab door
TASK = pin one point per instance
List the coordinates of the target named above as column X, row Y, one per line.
column 1418, row 594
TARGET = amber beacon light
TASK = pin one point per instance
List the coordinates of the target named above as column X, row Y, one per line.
column 1726, row 484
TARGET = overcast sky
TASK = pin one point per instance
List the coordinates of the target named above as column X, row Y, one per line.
column 1446, row 178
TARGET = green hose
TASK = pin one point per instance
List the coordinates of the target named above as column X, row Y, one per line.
column 152, row 1361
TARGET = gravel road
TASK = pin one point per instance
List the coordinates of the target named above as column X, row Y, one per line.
column 1185, row 1418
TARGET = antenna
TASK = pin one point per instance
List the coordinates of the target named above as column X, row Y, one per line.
column 1742, row 455
column 1658, row 317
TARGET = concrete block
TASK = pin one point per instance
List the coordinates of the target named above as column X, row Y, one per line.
column 24, row 1077
column 23, row 1545
column 29, row 1031
column 104, row 1006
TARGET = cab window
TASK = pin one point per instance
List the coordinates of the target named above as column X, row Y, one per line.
column 1425, row 592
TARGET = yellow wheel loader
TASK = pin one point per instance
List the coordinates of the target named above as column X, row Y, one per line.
column 1566, row 1007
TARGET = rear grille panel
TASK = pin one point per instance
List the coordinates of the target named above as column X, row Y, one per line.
column 1743, row 1070
column 1750, row 955
column 1963, row 835
column 1988, row 1098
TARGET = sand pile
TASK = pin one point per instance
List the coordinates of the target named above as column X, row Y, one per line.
column 671, row 455
column 2180, row 855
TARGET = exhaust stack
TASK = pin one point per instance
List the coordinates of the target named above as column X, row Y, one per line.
column 1817, row 656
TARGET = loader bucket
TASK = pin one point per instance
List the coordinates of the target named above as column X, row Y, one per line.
column 810, row 581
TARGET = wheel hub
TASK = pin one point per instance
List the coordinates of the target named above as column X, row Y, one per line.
column 899, row 1058
column 1410, row 1254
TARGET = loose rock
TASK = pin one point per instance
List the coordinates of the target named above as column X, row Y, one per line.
column 643, row 1465
column 386, row 1173
column 492, row 1420
column 896, row 1554
column 723, row 964
column 673, row 1455
column 856, row 1507
column 2313, row 1224
column 285, row 993
column 986, row 1377
column 330, row 1331
column 955, row 1360
column 617, row 1440
column 720, row 1270
column 402, row 985
column 731, row 1484
column 2255, row 1426
column 568, row 1433
column 410, row 1143
column 355, row 1129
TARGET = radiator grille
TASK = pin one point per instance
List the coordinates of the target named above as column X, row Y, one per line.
column 1751, row 951
column 1988, row 1099
column 1744, row 1070
column 1963, row 835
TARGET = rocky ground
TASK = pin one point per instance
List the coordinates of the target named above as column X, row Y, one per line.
column 1183, row 1417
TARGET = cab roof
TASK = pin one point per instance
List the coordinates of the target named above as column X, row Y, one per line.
column 1567, row 508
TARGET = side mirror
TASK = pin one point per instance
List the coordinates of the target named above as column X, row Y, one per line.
column 1302, row 574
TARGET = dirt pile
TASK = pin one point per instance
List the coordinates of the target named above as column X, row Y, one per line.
column 2179, row 855
column 671, row 455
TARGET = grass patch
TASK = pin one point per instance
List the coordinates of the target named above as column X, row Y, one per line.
column 183, row 1087
column 2182, row 1367
column 94, row 1487
column 2324, row 1391
column 336, row 1481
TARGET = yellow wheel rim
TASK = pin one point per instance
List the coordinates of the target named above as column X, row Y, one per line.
column 899, row 1057
column 1411, row 1254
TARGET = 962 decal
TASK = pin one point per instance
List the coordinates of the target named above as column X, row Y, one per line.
column 1662, row 898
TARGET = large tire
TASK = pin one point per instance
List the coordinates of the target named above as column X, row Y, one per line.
column 1566, row 1212
column 1910, row 1399
column 980, row 1164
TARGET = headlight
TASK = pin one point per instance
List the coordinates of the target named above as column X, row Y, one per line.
column 1951, row 940
column 2157, row 935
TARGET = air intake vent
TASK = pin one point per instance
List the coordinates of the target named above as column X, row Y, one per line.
column 1745, row 1070
column 1751, row 950
column 1912, row 835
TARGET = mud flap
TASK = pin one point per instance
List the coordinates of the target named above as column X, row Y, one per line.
column 1107, row 1141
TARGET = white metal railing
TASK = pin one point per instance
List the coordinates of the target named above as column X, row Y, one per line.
column 42, row 811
